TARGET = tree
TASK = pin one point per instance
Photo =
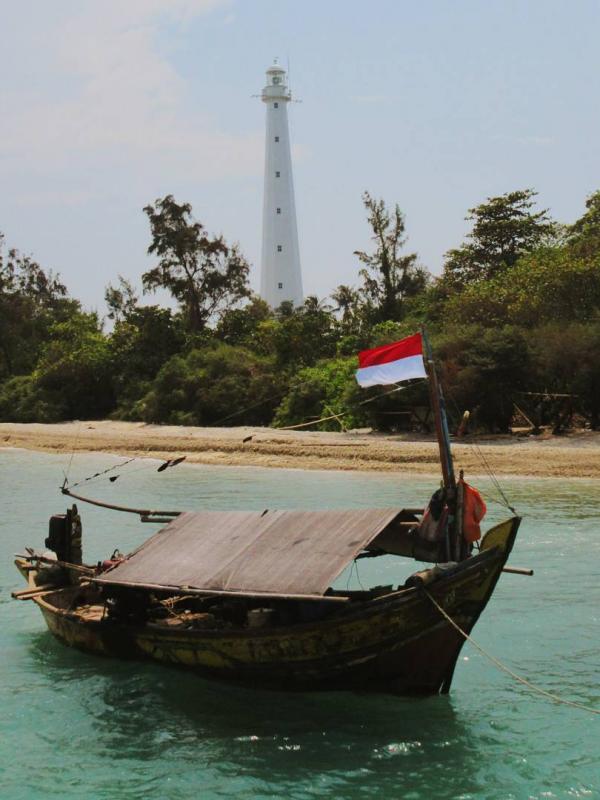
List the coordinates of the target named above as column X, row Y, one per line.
column 483, row 369
column 31, row 300
column 121, row 300
column 238, row 326
column 204, row 274
column 140, row 344
column 321, row 391
column 584, row 235
column 549, row 285
column 218, row 384
column 388, row 277
column 504, row 229
column 304, row 336
column 75, row 370
column 347, row 301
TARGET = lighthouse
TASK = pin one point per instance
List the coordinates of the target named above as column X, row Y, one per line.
column 280, row 278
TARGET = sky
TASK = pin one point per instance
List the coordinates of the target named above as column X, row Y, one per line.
column 107, row 105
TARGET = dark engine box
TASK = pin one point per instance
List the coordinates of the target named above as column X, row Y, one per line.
column 64, row 536
column 59, row 536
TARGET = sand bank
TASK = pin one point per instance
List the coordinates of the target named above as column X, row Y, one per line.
column 575, row 456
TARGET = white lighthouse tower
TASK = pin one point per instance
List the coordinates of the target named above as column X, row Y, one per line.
column 280, row 278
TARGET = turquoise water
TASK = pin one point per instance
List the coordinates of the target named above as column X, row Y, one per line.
column 75, row 726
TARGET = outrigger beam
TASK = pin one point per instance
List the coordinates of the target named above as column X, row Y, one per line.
column 142, row 512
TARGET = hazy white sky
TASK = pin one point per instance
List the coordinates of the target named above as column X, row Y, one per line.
column 108, row 104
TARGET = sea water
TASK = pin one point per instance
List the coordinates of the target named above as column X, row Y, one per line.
column 77, row 726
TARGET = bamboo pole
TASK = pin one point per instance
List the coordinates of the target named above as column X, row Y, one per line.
column 518, row 570
column 441, row 424
column 143, row 512
column 220, row 593
column 30, row 593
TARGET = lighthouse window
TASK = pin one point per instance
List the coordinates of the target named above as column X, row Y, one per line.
column 279, row 211
column 280, row 285
column 276, row 79
column 279, row 248
column 276, row 105
column 278, row 174
column 277, row 138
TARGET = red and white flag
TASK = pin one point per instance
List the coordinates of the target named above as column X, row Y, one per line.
column 391, row 363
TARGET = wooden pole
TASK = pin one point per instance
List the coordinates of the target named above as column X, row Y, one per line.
column 453, row 544
column 459, row 519
column 143, row 512
column 518, row 571
column 219, row 593
column 441, row 423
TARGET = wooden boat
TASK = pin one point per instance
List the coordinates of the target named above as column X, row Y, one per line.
column 247, row 597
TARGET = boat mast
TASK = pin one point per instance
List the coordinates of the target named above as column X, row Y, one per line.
column 441, row 422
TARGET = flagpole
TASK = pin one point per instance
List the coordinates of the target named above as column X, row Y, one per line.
column 441, row 421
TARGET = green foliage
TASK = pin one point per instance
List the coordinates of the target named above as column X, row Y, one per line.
column 482, row 370
column 23, row 400
column 548, row 284
column 504, row 229
column 584, row 234
column 389, row 277
column 140, row 344
column 566, row 360
column 31, row 300
column 75, row 368
column 204, row 274
column 205, row 387
column 388, row 332
column 122, row 300
column 298, row 336
column 239, row 326
column 321, row 391
column 517, row 310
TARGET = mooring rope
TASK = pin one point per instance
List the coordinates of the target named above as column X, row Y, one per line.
column 349, row 411
column 486, row 465
column 504, row 668
column 492, row 475
column 66, row 474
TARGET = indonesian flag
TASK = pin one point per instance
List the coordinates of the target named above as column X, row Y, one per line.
column 392, row 363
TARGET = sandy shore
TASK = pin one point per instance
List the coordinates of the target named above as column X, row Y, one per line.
column 575, row 456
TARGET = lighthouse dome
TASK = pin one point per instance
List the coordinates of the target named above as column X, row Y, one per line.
column 275, row 67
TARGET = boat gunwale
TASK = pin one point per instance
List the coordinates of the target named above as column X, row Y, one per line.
column 382, row 604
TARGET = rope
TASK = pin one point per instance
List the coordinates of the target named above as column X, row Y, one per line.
column 104, row 472
column 248, row 408
column 486, row 465
column 66, row 474
column 554, row 698
column 345, row 413
column 492, row 476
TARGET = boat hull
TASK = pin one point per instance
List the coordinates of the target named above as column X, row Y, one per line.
column 399, row 644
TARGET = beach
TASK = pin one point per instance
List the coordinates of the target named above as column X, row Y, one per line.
column 574, row 456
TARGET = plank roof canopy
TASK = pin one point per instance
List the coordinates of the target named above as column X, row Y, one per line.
column 285, row 553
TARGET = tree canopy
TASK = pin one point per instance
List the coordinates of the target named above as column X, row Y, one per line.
column 504, row 229
column 388, row 275
column 515, row 315
column 203, row 273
